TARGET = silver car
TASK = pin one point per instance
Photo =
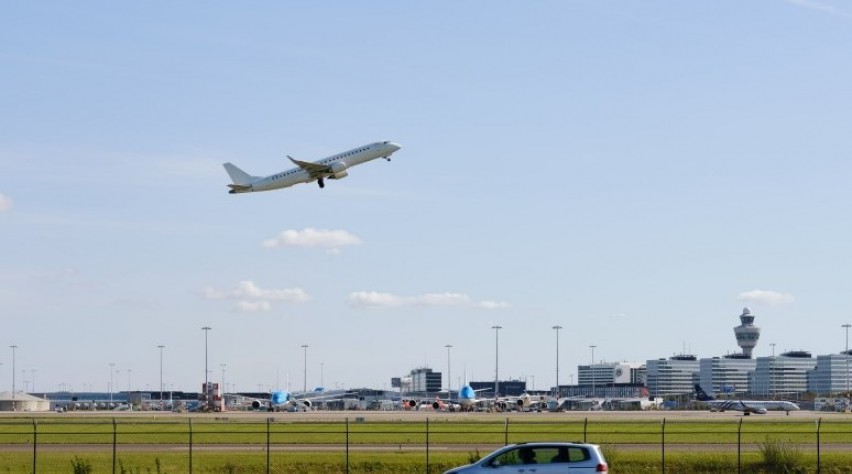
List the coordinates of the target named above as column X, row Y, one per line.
column 539, row 458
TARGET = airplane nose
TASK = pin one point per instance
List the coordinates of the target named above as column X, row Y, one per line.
column 396, row 146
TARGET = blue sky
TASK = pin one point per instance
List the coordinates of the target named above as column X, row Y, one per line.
column 636, row 172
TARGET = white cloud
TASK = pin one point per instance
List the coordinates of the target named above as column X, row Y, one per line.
column 494, row 305
column 253, row 306
column 767, row 297
column 252, row 298
column 374, row 299
column 328, row 239
column 5, row 203
column 819, row 6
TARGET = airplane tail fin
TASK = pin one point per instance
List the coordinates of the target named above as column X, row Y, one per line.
column 701, row 395
column 237, row 175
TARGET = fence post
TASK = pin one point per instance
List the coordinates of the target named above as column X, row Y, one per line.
column 267, row 444
column 347, row 445
column 663, row 444
column 739, row 445
column 190, row 445
column 35, row 444
column 819, row 425
column 427, row 445
column 114, row 443
column 506, row 433
column 585, row 428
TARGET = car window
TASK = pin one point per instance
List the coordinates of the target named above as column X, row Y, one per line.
column 509, row 458
column 541, row 455
column 570, row 454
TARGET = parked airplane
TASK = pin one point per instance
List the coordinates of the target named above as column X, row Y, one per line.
column 282, row 401
column 746, row 406
column 333, row 167
column 467, row 398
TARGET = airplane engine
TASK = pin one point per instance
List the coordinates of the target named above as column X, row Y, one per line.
column 436, row 405
column 256, row 404
column 338, row 171
column 306, row 403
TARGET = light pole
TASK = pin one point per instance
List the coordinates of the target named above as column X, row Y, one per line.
column 206, row 330
column 557, row 328
column 13, row 373
column 449, row 378
column 222, row 366
column 847, row 326
column 322, row 369
column 32, row 378
column 592, row 371
column 496, row 329
column 305, row 385
column 162, row 405
column 111, row 365
column 772, row 372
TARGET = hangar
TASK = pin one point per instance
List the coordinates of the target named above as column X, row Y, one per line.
column 22, row 402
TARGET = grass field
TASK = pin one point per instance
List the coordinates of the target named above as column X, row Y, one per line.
column 396, row 443
column 493, row 430
column 405, row 462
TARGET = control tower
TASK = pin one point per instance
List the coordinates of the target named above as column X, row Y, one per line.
column 747, row 333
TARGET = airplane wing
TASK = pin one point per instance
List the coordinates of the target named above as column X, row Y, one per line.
column 315, row 170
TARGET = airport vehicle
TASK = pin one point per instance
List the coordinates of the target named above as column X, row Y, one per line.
column 333, row 167
column 747, row 407
column 540, row 458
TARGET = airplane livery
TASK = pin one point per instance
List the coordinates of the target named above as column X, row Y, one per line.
column 333, row 167
column 748, row 407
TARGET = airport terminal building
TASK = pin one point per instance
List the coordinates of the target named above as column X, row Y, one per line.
column 832, row 373
column 676, row 375
column 786, row 374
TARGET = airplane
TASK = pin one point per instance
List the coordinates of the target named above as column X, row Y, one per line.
column 333, row 167
column 468, row 401
column 445, row 405
column 467, row 398
column 527, row 402
column 282, row 400
column 746, row 406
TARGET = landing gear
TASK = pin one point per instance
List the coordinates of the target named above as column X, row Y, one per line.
column 386, row 157
column 321, row 183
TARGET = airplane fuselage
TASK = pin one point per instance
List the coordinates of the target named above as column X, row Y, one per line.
column 752, row 406
column 337, row 166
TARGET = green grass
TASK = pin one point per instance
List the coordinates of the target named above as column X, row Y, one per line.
column 403, row 442
column 237, row 462
column 208, row 431
column 385, row 462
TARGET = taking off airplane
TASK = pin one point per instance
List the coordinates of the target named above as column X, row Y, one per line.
column 333, row 167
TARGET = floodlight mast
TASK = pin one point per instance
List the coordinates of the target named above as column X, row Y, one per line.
column 162, row 406
column 496, row 329
column 556, row 328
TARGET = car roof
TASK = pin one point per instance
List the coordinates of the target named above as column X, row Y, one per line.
column 552, row 443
